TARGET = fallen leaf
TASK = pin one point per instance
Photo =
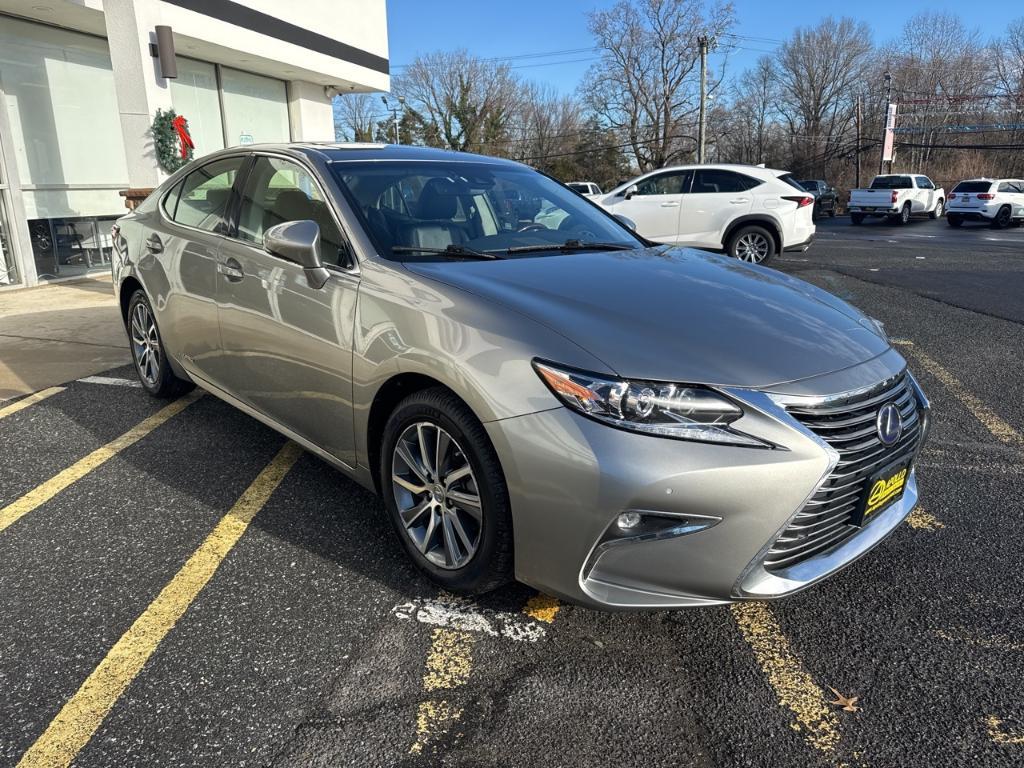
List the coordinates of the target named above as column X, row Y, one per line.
column 848, row 703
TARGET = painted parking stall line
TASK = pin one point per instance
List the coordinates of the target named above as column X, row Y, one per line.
column 793, row 685
column 995, row 424
column 111, row 381
column 83, row 714
column 25, row 402
column 47, row 490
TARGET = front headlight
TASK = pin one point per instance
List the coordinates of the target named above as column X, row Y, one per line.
column 667, row 410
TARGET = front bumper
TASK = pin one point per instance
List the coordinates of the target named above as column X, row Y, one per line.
column 570, row 477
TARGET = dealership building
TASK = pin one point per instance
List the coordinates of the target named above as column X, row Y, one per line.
column 81, row 82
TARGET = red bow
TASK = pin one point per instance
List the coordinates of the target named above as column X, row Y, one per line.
column 180, row 124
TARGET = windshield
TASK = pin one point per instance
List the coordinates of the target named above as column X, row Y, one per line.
column 892, row 182
column 973, row 186
column 435, row 206
column 810, row 186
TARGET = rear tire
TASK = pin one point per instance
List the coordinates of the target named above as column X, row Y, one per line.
column 937, row 211
column 1003, row 219
column 954, row 221
column 148, row 354
column 856, row 218
column 752, row 244
column 904, row 215
column 832, row 211
column 463, row 542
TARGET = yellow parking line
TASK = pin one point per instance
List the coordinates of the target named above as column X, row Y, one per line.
column 78, row 720
column 923, row 520
column 449, row 664
column 1000, row 735
column 792, row 684
column 999, row 428
column 43, row 493
column 25, row 402
column 542, row 608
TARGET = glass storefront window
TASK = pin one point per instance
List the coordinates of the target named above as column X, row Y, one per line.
column 255, row 108
column 60, row 98
column 194, row 95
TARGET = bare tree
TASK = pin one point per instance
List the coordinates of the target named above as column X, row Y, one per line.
column 356, row 116
column 748, row 128
column 462, row 102
column 645, row 83
column 819, row 71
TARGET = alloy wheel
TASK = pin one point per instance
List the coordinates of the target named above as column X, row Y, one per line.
column 437, row 496
column 752, row 247
column 145, row 343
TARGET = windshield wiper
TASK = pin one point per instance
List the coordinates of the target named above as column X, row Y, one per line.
column 572, row 245
column 451, row 251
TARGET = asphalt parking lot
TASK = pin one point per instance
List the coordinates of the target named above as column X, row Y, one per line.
column 181, row 588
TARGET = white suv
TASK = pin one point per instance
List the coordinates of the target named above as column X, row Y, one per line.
column 749, row 212
column 999, row 202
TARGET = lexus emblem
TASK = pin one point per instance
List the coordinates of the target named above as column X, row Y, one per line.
column 889, row 424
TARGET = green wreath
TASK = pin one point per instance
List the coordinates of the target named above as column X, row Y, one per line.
column 167, row 143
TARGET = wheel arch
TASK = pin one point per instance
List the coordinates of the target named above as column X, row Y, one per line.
column 127, row 289
column 389, row 394
column 758, row 219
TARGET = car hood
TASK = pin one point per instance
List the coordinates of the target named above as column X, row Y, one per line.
column 674, row 314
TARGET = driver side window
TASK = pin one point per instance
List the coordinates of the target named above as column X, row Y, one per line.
column 671, row 183
column 279, row 190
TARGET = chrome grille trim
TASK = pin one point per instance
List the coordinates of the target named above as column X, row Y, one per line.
column 825, row 520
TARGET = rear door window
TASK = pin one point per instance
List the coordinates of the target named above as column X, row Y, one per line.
column 712, row 180
column 205, row 194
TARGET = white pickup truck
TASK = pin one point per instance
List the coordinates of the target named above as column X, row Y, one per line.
column 898, row 196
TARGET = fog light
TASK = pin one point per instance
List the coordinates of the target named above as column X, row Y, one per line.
column 629, row 520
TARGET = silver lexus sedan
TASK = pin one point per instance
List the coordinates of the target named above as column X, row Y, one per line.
column 535, row 391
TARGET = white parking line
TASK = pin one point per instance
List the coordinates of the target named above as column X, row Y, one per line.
column 111, row 381
column 456, row 613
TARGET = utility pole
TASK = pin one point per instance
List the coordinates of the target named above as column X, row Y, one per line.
column 885, row 124
column 856, row 119
column 702, row 42
column 394, row 114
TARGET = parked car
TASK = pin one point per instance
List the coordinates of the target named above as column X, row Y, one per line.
column 825, row 197
column 998, row 202
column 897, row 196
column 585, row 188
column 619, row 424
column 751, row 213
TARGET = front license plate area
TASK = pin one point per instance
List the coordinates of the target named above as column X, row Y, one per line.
column 883, row 489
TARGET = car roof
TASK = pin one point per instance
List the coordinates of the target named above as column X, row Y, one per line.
column 357, row 151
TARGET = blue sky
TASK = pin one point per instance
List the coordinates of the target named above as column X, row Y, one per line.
column 492, row 29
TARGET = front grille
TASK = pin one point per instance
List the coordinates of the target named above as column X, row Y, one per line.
column 849, row 427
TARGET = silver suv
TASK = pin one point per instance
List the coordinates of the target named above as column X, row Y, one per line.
column 538, row 396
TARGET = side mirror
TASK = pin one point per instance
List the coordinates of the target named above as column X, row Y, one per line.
column 631, row 190
column 298, row 241
column 626, row 222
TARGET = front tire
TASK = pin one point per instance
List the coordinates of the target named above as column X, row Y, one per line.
column 754, row 245
column 445, row 493
column 148, row 353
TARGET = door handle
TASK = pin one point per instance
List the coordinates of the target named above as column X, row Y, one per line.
column 739, row 200
column 154, row 244
column 231, row 269
column 671, row 204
